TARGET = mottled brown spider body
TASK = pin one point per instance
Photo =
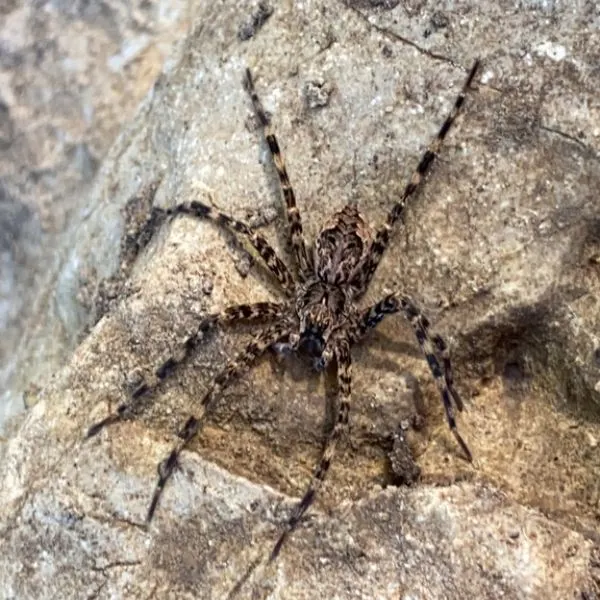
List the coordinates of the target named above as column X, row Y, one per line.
column 320, row 316
column 324, row 304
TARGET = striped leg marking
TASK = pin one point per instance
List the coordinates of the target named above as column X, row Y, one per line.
column 382, row 238
column 233, row 314
column 373, row 315
column 275, row 265
column 234, row 368
column 442, row 348
column 293, row 214
column 344, row 375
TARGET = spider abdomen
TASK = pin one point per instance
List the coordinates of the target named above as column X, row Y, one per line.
column 341, row 246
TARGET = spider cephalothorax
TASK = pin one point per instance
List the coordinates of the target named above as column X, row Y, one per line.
column 320, row 317
column 322, row 309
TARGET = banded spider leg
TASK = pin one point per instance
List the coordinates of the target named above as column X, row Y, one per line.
column 344, row 378
column 234, row 314
column 382, row 238
column 241, row 363
column 393, row 303
column 303, row 261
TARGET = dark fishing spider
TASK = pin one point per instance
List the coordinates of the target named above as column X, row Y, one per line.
column 320, row 318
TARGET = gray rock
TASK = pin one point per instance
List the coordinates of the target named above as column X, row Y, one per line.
column 501, row 248
column 72, row 74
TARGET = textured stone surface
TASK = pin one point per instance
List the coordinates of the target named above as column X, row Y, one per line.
column 501, row 248
column 71, row 75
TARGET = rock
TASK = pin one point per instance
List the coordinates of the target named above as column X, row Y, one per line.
column 71, row 75
column 500, row 249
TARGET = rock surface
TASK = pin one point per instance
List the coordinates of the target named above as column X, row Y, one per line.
column 502, row 248
column 72, row 74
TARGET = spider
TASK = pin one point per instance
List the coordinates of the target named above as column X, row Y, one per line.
column 319, row 317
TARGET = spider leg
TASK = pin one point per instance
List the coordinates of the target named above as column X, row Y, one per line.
column 233, row 369
column 442, row 348
column 275, row 265
column 344, row 374
column 382, row 238
column 293, row 214
column 373, row 315
column 233, row 314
